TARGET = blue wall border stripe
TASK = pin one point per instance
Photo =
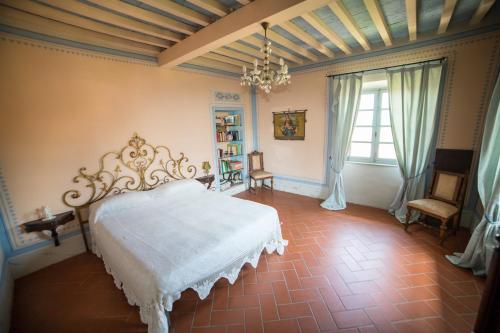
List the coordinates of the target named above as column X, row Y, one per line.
column 255, row 128
column 209, row 70
column 44, row 243
column 4, row 238
column 301, row 181
column 417, row 44
column 4, row 273
column 66, row 42
column 5, row 241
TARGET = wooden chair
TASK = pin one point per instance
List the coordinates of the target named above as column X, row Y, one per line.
column 444, row 202
column 256, row 171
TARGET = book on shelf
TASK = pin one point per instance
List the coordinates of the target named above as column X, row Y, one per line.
column 233, row 120
column 228, row 136
column 227, row 166
column 223, row 166
column 232, row 149
column 235, row 165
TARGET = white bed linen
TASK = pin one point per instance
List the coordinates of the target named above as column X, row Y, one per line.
column 159, row 243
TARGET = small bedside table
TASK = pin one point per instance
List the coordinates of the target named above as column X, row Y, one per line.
column 52, row 224
column 208, row 179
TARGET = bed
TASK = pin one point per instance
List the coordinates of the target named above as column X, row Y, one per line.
column 165, row 232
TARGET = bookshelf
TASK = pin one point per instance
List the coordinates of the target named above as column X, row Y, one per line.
column 229, row 143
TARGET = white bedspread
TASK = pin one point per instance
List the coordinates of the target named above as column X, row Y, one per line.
column 159, row 243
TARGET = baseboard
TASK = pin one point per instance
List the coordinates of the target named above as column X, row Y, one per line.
column 236, row 189
column 6, row 296
column 30, row 262
column 469, row 219
column 297, row 186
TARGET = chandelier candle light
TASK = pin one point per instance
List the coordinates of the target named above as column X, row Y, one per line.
column 264, row 78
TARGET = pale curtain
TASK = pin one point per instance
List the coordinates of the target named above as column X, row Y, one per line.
column 345, row 95
column 413, row 94
column 479, row 251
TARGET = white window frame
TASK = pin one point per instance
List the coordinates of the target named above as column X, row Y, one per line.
column 375, row 142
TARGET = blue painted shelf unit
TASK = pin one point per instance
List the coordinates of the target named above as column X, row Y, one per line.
column 230, row 157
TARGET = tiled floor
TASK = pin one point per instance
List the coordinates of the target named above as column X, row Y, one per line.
column 349, row 271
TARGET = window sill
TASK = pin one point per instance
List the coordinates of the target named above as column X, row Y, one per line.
column 373, row 164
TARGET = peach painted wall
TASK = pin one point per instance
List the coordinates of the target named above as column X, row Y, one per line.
column 469, row 81
column 63, row 110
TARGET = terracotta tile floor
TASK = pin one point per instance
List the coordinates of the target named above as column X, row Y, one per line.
column 349, row 271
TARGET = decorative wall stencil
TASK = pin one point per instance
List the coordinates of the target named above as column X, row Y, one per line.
column 19, row 238
column 449, row 50
column 5, row 37
column 226, row 97
column 289, row 125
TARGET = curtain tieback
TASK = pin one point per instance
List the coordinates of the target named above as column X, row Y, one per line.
column 489, row 219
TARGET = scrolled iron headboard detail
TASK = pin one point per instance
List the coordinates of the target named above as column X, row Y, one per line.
column 139, row 166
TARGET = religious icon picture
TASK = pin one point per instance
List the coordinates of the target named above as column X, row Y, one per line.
column 289, row 125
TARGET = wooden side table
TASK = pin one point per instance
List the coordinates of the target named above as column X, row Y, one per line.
column 208, row 180
column 52, row 224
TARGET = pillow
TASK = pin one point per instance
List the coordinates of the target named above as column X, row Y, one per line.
column 177, row 187
column 117, row 202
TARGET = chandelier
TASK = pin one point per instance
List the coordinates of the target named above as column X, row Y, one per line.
column 265, row 76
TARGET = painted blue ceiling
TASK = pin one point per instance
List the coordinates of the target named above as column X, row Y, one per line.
column 362, row 18
column 144, row 6
column 463, row 11
column 395, row 15
column 328, row 17
column 428, row 17
column 313, row 32
column 158, row 11
column 295, row 40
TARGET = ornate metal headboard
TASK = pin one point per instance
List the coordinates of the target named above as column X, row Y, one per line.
column 139, row 166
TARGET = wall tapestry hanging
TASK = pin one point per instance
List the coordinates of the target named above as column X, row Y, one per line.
column 289, row 125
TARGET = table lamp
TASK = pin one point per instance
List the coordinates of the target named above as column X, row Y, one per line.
column 206, row 167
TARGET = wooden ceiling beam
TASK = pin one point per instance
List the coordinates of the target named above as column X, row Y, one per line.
column 23, row 20
column 178, row 10
column 278, row 39
column 347, row 20
column 221, row 58
column 78, row 21
column 326, row 31
column 378, row 19
column 481, row 11
column 237, row 46
column 294, row 30
column 79, row 8
column 212, row 6
column 278, row 52
column 411, row 17
column 448, row 9
column 233, row 54
column 146, row 15
column 214, row 64
column 237, row 25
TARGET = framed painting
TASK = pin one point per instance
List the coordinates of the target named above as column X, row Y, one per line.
column 289, row 125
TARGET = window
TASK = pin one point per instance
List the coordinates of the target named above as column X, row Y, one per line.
column 372, row 137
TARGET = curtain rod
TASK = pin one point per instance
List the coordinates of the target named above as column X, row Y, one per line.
column 383, row 68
